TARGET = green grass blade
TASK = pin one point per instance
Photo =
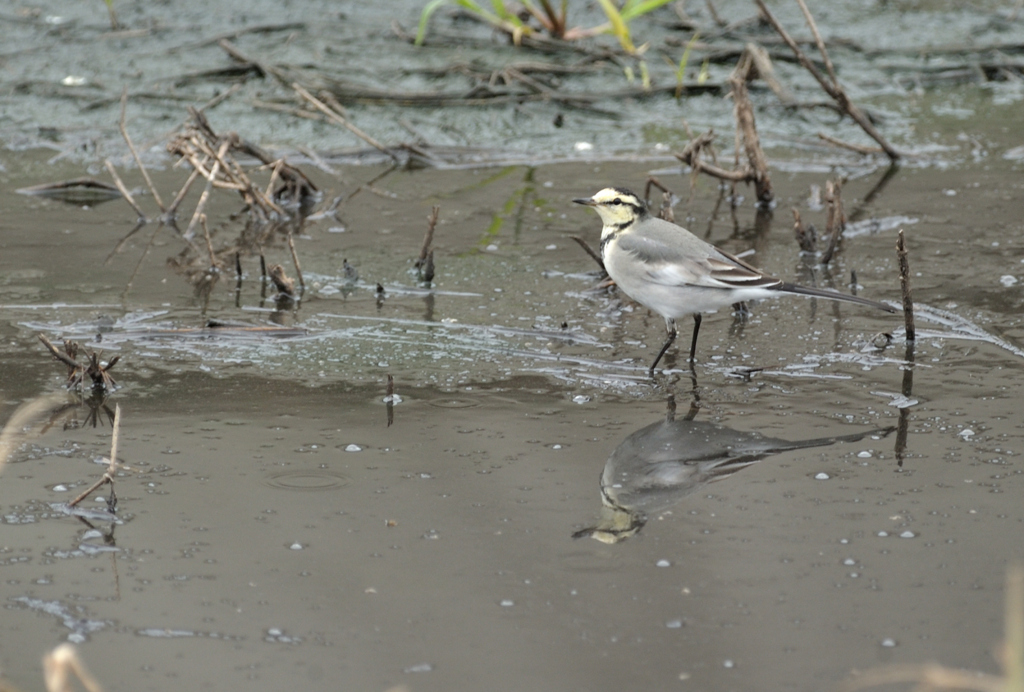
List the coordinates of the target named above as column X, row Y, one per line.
column 685, row 61
column 428, row 10
column 618, row 24
column 636, row 8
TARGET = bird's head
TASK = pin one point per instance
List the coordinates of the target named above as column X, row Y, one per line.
column 617, row 206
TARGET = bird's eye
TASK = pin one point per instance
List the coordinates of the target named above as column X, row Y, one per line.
column 616, row 201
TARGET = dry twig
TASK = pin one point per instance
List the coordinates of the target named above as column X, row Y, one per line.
column 135, row 154
column 336, row 117
column 860, row 149
column 831, row 83
column 755, row 170
column 97, row 372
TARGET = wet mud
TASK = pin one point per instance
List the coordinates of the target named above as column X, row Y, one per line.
column 274, row 529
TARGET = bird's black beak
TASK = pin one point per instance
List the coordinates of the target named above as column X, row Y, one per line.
column 587, row 201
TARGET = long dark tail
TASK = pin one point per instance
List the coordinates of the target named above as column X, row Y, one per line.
column 831, row 295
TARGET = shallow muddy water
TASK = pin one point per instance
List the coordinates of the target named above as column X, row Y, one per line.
column 275, row 531
column 531, row 511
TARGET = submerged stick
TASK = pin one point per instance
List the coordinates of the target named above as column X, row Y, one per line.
column 908, row 303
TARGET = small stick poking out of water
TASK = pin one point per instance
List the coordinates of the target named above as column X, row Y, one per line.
column 425, row 262
column 835, row 220
column 908, row 303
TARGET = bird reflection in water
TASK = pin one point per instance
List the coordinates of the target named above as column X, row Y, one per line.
column 659, row 465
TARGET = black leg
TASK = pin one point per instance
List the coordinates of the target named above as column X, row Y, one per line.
column 671, row 338
column 693, row 343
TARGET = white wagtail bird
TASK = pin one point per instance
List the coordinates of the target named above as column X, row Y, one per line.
column 673, row 272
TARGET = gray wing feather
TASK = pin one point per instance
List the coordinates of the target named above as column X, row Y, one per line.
column 676, row 257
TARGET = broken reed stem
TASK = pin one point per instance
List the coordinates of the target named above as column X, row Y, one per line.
column 108, row 475
column 295, row 260
column 867, row 151
column 746, row 127
column 221, row 97
column 428, row 237
column 833, row 89
column 818, row 40
column 275, row 173
column 115, row 438
column 62, row 357
column 209, row 186
column 690, row 155
column 835, row 223
column 336, row 118
column 124, row 190
column 135, row 154
column 172, row 210
column 908, row 303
